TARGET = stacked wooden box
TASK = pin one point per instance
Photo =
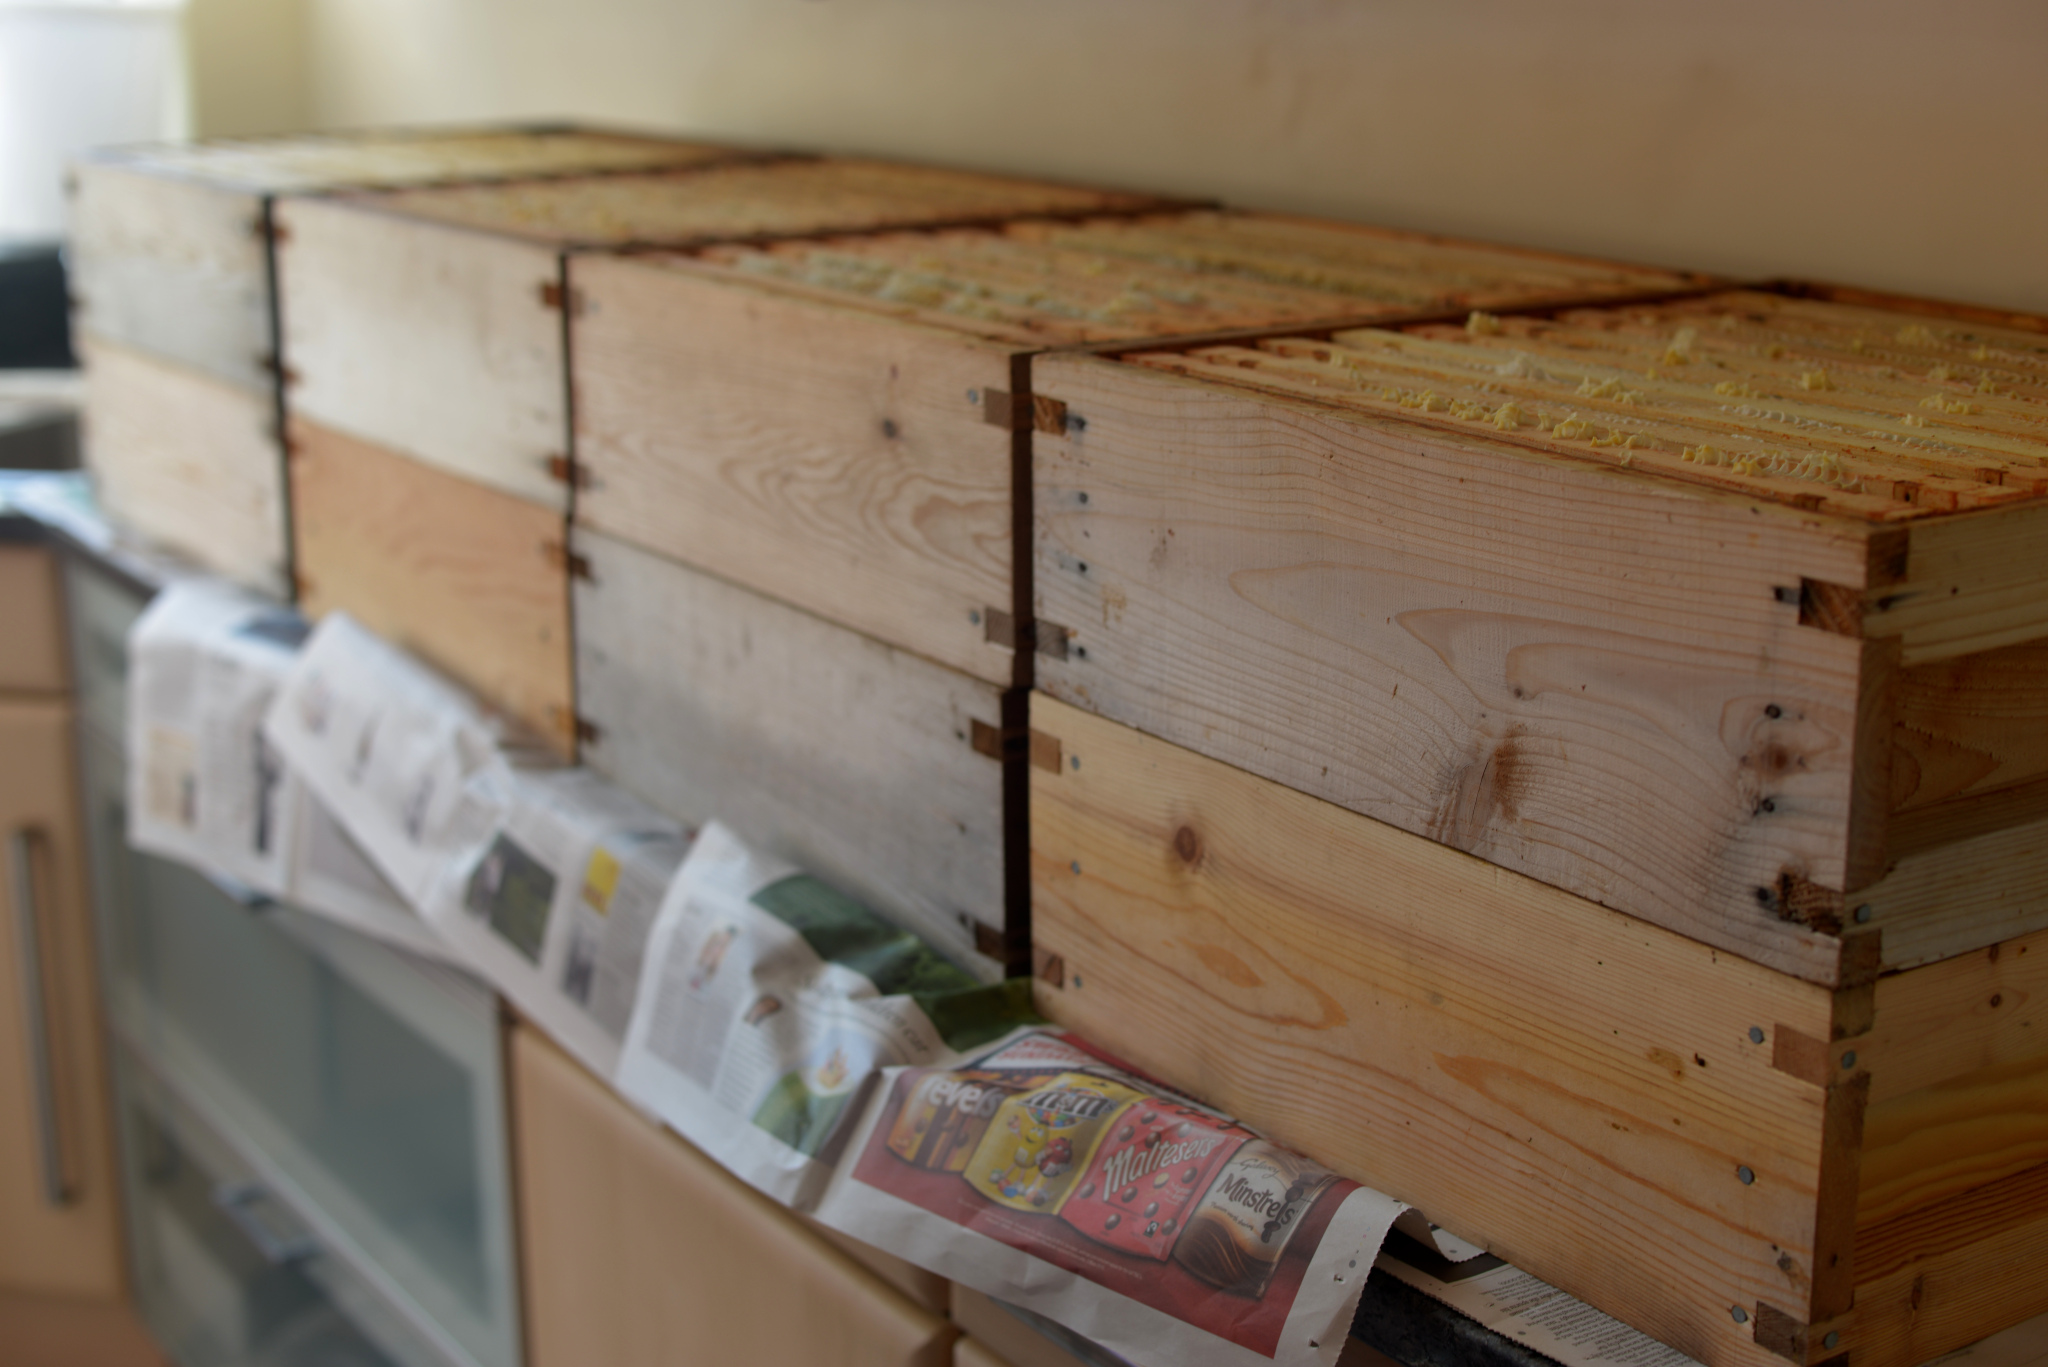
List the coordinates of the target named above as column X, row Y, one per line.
column 173, row 267
column 1584, row 775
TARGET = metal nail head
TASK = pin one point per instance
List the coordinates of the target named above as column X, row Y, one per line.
column 1739, row 1315
column 1756, row 1034
column 1746, row 1174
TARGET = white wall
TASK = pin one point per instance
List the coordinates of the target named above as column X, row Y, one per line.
column 1884, row 142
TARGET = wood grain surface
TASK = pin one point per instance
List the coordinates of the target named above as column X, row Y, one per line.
column 471, row 579
column 175, row 268
column 187, row 461
column 434, row 342
column 1578, row 1090
column 847, row 756
column 1580, row 674
column 831, row 457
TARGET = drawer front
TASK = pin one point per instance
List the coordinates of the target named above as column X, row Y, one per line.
column 30, row 622
column 102, row 609
column 635, row 1243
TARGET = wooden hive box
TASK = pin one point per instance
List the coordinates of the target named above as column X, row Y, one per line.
column 425, row 332
column 1750, row 1166
column 172, row 267
column 875, row 769
column 845, row 423
column 1727, row 612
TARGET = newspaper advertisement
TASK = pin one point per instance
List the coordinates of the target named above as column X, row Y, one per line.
column 1518, row 1306
column 204, row 785
column 1046, row 1174
column 769, row 1003
column 408, row 764
column 556, row 907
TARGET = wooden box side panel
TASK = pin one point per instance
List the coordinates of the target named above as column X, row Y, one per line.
column 1579, row 674
column 1946, row 1020
column 436, row 343
column 634, row 1243
column 173, row 267
column 1961, row 896
column 1579, row 1092
column 471, row 579
column 188, row 461
column 1947, row 1275
column 833, row 458
column 1970, row 727
column 850, row 758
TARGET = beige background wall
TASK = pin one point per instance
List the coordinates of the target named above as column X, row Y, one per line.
column 1876, row 141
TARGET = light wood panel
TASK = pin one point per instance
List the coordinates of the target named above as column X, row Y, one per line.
column 1577, row 1089
column 639, row 1251
column 66, row 1331
column 173, row 267
column 1942, row 1277
column 851, row 758
column 1961, row 896
column 1580, row 674
column 1971, row 725
column 66, row 1248
column 834, row 458
column 31, row 622
column 1940, row 1141
column 187, row 461
column 432, row 341
column 1957, row 1017
column 474, row 580
column 1972, row 583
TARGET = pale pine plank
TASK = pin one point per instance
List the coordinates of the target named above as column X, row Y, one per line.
column 851, row 758
column 175, row 268
column 831, row 457
column 1960, row 896
column 428, row 340
column 1973, row 583
column 1566, row 670
column 471, row 579
column 1971, row 725
column 1568, row 1086
column 188, row 461
column 1955, row 1136
column 1959, row 1016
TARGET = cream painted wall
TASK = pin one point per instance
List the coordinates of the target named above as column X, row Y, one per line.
column 250, row 63
column 1883, row 142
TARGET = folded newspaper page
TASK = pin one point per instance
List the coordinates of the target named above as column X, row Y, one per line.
column 555, row 908
column 332, row 877
column 768, row 1004
column 204, row 786
column 407, row 763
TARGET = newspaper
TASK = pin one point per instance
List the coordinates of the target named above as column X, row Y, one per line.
column 332, row 877
column 556, row 906
column 1518, row 1306
column 1047, row 1175
column 204, row 786
column 768, row 1004
column 407, row 764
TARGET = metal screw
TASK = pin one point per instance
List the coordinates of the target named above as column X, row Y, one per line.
column 974, row 617
column 1849, row 1059
column 1084, row 496
column 1834, row 1337
column 1077, row 980
column 1746, row 1174
column 974, row 396
column 1075, row 866
column 1756, row 1034
column 1863, row 914
column 1075, row 762
column 1739, row 1315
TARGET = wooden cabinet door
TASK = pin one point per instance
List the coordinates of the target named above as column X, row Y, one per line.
column 639, row 1251
column 59, row 1230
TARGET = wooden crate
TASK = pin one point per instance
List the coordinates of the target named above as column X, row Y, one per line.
column 842, row 422
column 170, row 245
column 188, row 460
column 881, row 772
column 637, row 1250
column 172, row 265
column 431, row 321
column 1746, row 638
column 1737, row 1160
column 471, row 579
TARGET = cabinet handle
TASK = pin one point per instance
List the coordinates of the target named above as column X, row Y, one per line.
column 21, row 849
